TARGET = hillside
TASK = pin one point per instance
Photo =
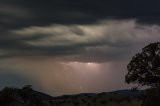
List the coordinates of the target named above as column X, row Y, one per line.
column 116, row 98
column 29, row 97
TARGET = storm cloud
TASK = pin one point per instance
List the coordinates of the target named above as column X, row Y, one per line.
column 54, row 27
column 101, row 41
column 68, row 46
column 24, row 13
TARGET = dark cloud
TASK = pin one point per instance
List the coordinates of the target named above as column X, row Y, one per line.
column 106, row 40
column 23, row 13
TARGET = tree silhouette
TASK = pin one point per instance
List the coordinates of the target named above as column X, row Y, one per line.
column 144, row 68
column 22, row 97
column 7, row 96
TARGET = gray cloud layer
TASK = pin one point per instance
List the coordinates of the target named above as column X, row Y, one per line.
column 101, row 41
column 61, row 27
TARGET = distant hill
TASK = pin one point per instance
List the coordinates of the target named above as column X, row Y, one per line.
column 125, row 92
column 128, row 92
column 42, row 96
column 29, row 97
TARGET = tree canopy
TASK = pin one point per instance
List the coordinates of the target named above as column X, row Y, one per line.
column 144, row 68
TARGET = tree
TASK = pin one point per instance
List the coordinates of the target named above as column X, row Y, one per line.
column 144, row 68
column 27, row 87
column 7, row 96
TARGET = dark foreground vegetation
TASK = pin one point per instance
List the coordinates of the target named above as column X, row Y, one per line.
column 29, row 97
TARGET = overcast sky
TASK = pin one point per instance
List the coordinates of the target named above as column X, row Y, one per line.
column 73, row 46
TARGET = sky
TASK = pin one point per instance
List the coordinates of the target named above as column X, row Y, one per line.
column 73, row 46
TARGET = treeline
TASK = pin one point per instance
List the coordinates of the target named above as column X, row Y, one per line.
column 26, row 96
